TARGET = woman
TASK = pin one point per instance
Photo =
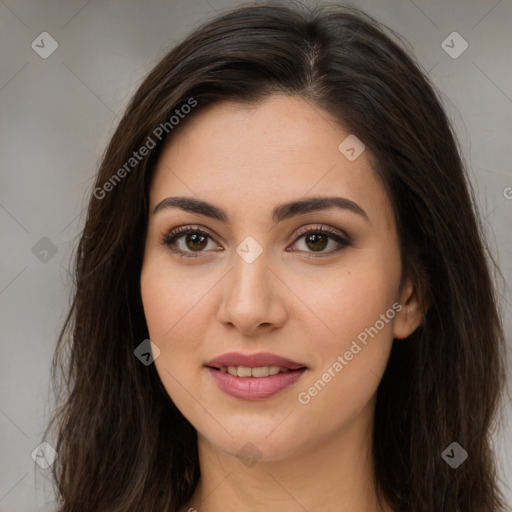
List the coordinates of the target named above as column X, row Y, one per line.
column 284, row 213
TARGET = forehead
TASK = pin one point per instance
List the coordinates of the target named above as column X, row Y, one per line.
column 263, row 154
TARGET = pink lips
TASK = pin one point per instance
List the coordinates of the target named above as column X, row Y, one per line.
column 254, row 360
column 254, row 388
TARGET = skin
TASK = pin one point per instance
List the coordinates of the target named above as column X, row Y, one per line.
column 246, row 160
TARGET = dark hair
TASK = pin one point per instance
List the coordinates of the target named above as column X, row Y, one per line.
column 122, row 444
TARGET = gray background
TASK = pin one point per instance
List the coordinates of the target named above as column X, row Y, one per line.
column 56, row 115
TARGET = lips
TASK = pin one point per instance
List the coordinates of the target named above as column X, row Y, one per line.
column 253, row 361
column 254, row 376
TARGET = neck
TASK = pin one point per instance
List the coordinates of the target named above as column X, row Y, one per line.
column 333, row 473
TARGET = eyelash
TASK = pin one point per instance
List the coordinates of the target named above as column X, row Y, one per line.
column 169, row 239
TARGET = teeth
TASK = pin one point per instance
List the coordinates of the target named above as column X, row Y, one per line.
column 260, row 371
column 244, row 371
column 274, row 370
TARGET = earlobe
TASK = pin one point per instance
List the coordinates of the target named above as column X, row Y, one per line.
column 410, row 317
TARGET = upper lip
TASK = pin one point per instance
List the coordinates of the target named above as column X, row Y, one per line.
column 253, row 361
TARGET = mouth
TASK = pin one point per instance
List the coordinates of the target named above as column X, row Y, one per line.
column 257, row 371
column 259, row 362
column 254, row 376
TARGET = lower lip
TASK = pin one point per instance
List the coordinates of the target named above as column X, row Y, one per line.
column 255, row 388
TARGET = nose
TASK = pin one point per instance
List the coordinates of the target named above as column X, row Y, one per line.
column 253, row 300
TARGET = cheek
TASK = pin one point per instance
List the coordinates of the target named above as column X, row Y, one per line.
column 353, row 356
column 174, row 304
column 175, row 316
column 345, row 301
column 356, row 313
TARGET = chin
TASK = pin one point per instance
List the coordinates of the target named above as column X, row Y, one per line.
column 264, row 442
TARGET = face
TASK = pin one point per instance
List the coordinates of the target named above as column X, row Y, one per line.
column 226, row 282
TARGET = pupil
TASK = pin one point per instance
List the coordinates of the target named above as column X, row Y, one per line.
column 315, row 238
column 196, row 239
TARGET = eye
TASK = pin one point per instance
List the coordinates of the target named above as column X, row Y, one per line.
column 317, row 239
column 190, row 241
column 193, row 240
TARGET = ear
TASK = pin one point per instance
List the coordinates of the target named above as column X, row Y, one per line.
column 410, row 317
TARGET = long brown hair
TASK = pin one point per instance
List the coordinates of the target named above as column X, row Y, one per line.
column 122, row 444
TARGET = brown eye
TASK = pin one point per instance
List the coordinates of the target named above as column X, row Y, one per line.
column 188, row 241
column 196, row 241
column 317, row 242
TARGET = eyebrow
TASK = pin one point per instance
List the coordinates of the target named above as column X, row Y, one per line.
column 281, row 212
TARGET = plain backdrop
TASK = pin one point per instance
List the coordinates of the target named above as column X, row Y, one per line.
column 57, row 114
